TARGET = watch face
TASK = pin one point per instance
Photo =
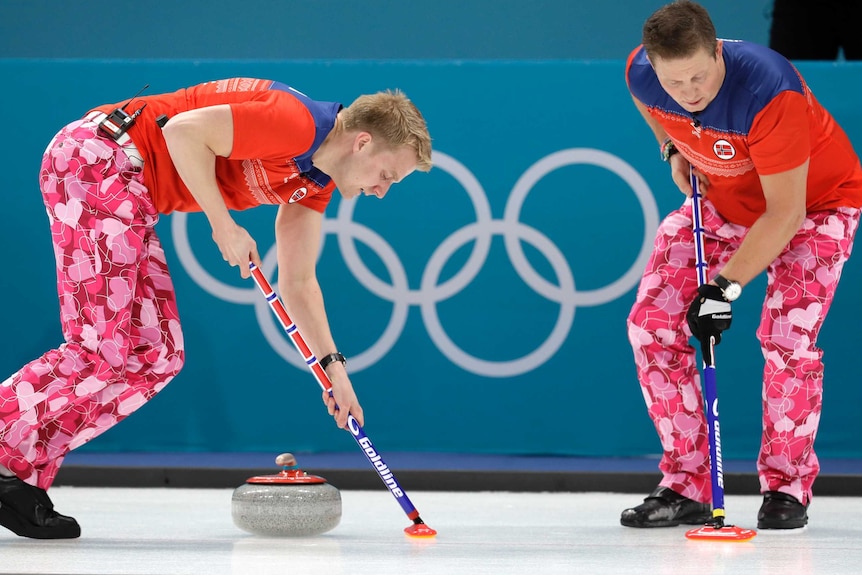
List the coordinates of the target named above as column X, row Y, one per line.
column 732, row 291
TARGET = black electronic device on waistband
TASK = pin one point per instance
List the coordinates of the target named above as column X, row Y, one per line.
column 119, row 121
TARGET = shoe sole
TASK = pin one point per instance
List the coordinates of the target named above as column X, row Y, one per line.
column 669, row 523
column 13, row 522
column 782, row 524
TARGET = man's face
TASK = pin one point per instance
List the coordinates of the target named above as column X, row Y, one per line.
column 693, row 82
column 372, row 169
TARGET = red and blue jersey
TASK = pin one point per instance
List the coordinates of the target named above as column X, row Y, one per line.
column 276, row 130
column 764, row 120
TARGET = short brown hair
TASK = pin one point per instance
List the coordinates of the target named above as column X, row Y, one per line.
column 679, row 30
column 392, row 117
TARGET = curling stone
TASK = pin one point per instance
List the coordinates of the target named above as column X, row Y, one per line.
column 288, row 504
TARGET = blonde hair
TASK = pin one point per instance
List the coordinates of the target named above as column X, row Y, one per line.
column 393, row 118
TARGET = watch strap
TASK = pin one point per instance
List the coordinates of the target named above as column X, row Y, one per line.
column 721, row 282
column 332, row 357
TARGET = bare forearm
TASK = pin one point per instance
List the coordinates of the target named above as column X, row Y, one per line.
column 304, row 303
column 785, row 212
column 764, row 242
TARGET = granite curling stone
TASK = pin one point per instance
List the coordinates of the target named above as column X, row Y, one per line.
column 288, row 504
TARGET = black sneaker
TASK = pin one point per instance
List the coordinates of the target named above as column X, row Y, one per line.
column 666, row 508
column 781, row 511
column 28, row 511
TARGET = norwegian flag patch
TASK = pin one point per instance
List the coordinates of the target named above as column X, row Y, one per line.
column 298, row 195
column 724, row 149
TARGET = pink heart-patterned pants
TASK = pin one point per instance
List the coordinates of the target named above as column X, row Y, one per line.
column 123, row 341
column 801, row 284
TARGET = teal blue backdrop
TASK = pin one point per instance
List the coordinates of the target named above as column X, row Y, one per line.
column 483, row 304
column 341, row 29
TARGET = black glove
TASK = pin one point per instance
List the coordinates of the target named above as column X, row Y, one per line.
column 709, row 314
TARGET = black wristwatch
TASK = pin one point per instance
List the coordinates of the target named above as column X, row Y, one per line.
column 337, row 356
column 731, row 289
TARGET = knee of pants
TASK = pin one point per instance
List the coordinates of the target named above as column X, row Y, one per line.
column 162, row 369
column 638, row 333
column 179, row 361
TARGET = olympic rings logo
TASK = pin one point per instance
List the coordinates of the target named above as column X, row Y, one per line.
column 430, row 293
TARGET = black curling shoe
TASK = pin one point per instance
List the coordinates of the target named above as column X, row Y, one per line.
column 666, row 508
column 28, row 511
column 781, row 511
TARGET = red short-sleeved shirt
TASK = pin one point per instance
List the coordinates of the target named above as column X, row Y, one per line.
column 276, row 130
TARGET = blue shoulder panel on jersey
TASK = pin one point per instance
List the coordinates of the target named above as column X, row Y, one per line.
column 324, row 120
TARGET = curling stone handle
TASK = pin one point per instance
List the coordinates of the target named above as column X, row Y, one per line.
column 286, row 460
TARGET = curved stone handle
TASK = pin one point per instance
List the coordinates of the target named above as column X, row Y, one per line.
column 286, row 460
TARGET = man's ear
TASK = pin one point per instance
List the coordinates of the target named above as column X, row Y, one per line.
column 361, row 140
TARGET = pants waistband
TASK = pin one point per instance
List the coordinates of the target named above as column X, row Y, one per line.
column 124, row 141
